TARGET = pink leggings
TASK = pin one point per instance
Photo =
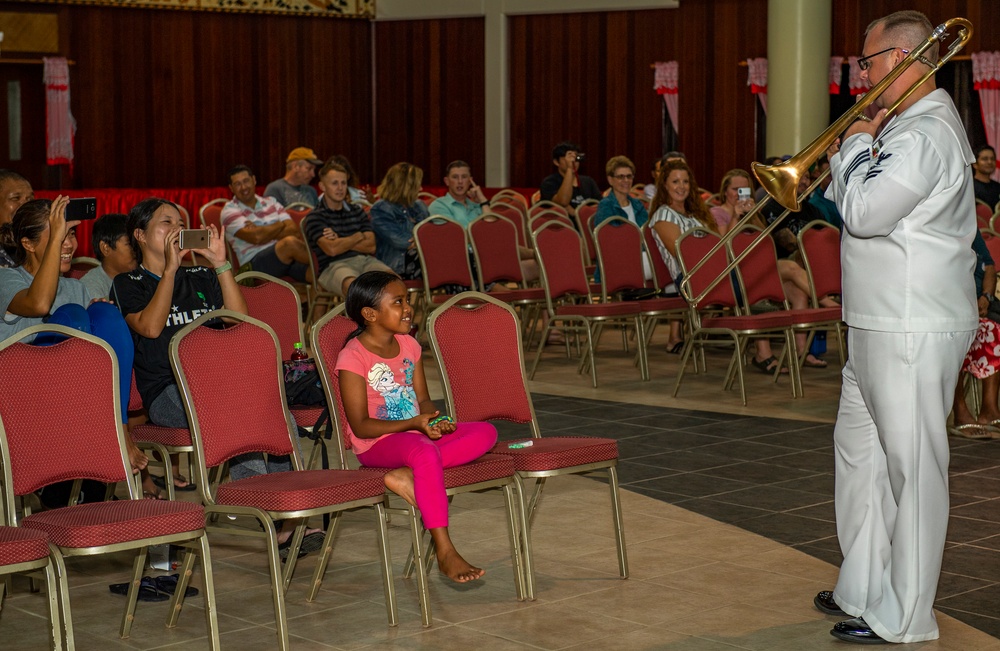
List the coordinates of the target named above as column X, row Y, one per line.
column 428, row 458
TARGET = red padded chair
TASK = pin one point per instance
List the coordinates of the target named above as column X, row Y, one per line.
column 516, row 217
column 494, row 244
column 444, row 258
column 27, row 550
column 983, row 214
column 329, row 336
column 567, row 296
column 619, row 251
column 819, row 244
column 661, row 273
column 461, row 351
column 35, row 454
column 162, row 441
column 760, row 281
column 211, row 213
column 78, row 267
column 545, row 216
column 508, row 194
column 276, row 303
column 545, row 204
column 584, row 213
column 319, row 296
column 224, row 424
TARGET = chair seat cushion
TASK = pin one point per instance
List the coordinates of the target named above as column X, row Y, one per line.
column 486, row 468
column 306, row 416
column 591, row 310
column 109, row 523
column 20, row 545
column 301, row 490
column 515, row 295
column 675, row 304
column 173, row 436
column 780, row 319
column 554, row 452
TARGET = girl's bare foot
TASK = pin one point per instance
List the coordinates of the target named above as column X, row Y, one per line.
column 400, row 482
column 457, row 568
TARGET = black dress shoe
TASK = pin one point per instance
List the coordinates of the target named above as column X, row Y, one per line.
column 825, row 604
column 856, row 630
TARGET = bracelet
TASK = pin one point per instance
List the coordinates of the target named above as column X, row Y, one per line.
column 224, row 268
column 485, row 203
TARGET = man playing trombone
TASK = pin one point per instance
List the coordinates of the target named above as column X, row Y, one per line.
column 904, row 190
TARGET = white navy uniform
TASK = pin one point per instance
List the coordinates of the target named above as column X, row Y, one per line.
column 910, row 301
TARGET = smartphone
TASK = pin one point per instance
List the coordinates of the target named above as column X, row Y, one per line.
column 743, row 193
column 80, row 209
column 195, row 238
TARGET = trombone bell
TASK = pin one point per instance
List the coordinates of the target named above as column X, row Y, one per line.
column 781, row 181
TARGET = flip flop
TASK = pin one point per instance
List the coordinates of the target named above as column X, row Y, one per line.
column 974, row 431
column 676, row 348
column 311, row 542
column 150, row 495
column 147, row 590
column 819, row 363
column 168, row 584
column 161, row 482
column 765, row 365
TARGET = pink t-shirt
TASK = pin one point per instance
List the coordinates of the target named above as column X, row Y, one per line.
column 390, row 383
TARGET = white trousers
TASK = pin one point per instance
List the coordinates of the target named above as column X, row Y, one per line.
column 892, row 454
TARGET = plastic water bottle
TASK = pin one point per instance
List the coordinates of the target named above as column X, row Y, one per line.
column 298, row 352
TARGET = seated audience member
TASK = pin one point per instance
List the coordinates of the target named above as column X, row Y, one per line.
column 354, row 191
column 464, row 200
column 340, row 234
column 109, row 238
column 300, row 168
column 15, row 191
column 983, row 359
column 260, row 231
column 567, row 187
column 987, row 190
column 794, row 278
column 34, row 291
column 650, row 188
column 826, row 207
column 620, row 203
column 393, row 217
column 785, row 235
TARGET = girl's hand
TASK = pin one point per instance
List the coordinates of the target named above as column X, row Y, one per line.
column 445, row 427
column 59, row 228
column 421, row 423
column 216, row 251
column 99, row 300
column 172, row 253
column 743, row 206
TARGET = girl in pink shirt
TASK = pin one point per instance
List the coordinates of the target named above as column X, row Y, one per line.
column 390, row 413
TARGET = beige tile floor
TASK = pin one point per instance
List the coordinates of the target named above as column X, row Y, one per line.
column 695, row 584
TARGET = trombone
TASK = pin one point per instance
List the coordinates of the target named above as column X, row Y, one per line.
column 781, row 181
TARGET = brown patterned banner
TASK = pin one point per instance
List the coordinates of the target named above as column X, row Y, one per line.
column 326, row 8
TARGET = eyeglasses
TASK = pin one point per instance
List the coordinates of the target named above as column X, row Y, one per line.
column 864, row 63
column 623, row 177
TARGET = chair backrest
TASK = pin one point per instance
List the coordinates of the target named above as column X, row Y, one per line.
column 185, row 215
column 313, row 259
column 462, row 352
column 329, row 336
column 78, row 267
column 546, row 216
column 993, row 245
column 233, row 387
column 427, row 197
column 619, row 254
column 134, row 397
column 560, row 262
column 758, row 271
column 584, row 214
column 508, row 193
column 494, row 243
column 545, row 204
column 211, row 213
column 298, row 214
column 694, row 245
column 276, row 303
column 300, row 206
column 60, row 415
column 819, row 243
column 444, row 253
column 516, row 216
column 983, row 214
column 993, row 224
column 661, row 273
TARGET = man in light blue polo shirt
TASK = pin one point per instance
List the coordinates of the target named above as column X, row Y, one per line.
column 465, row 200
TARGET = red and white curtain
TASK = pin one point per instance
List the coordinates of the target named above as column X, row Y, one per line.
column 60, row 127
column 986, row 80
column 757, row 80
column 665, row 85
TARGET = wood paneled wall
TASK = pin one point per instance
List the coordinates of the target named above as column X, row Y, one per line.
column 174, row 98
column 430, row 95
column 587, row 78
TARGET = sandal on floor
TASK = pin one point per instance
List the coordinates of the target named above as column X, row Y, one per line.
column 152, row 495
column 768, row 365
column 168, row 585
column 311, row 542
column 819, row 363
column 676, row 348
column 147, row 590
column 185, row 487
column 974, row 431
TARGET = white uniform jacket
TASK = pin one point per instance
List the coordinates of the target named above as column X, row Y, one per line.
column 909, row 220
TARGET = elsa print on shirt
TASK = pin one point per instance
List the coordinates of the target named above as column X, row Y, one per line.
column 400, row 400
